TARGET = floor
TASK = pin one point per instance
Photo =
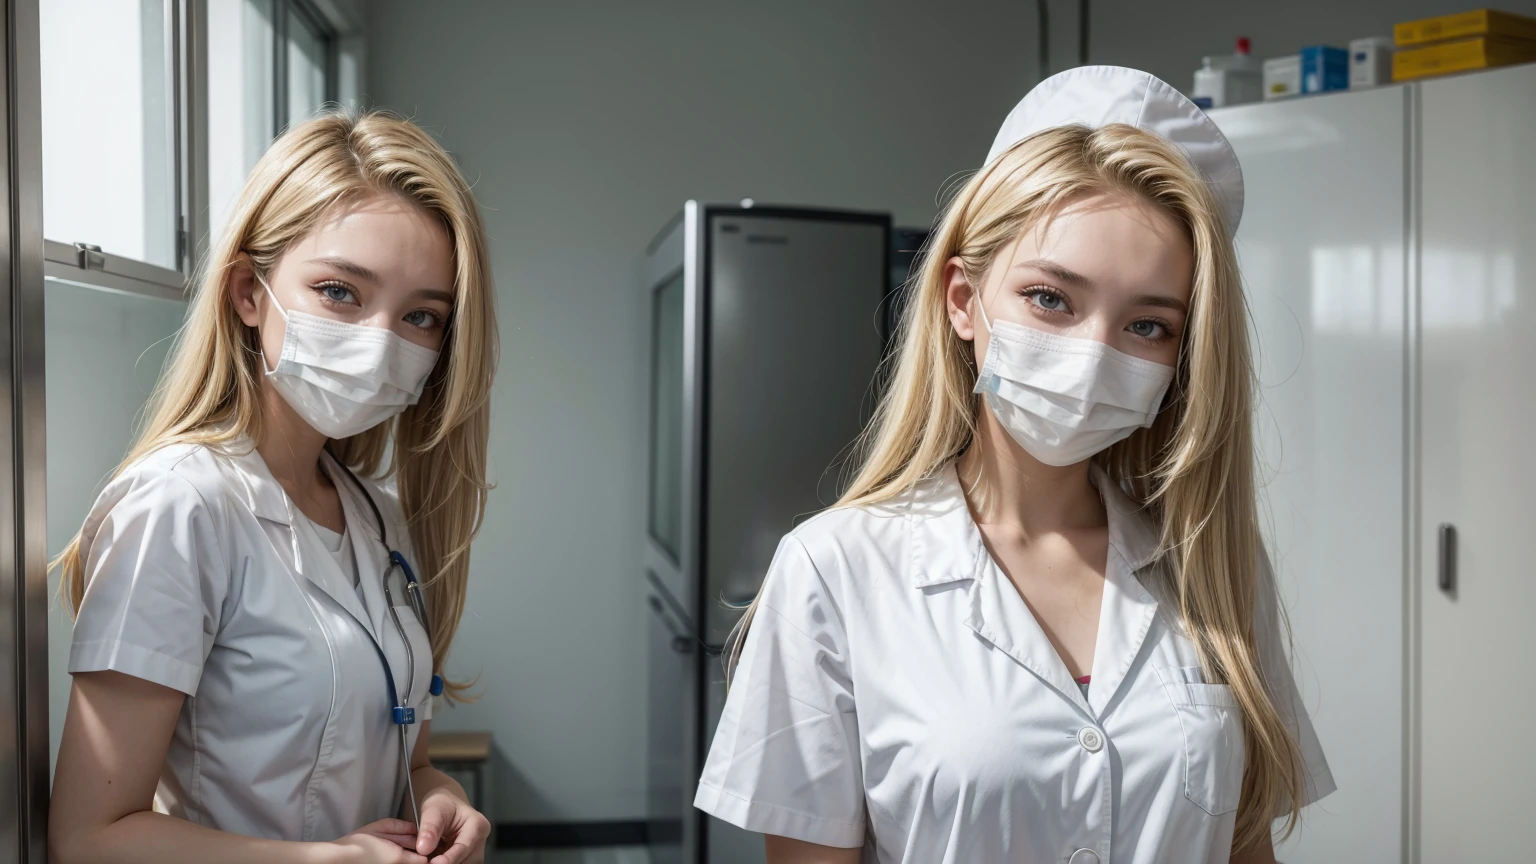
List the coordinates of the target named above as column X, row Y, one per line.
column 572, row 856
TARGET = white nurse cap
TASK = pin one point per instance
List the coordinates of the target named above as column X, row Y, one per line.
column 1096, row 96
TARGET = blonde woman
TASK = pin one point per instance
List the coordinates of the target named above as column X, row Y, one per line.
column 261, row 618
column 1039, row 626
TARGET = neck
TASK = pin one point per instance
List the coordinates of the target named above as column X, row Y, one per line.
column 1020, row 491
column 290, row 446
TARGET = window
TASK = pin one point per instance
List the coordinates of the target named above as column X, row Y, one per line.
column 311, row 54
column 667, row 416
column 242, row 81
column 112, row 172
column 155, row 112
column 271, row 63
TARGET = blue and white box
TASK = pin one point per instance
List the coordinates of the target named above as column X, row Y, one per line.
column 1324, row 68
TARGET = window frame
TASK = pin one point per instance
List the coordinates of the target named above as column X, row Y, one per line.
column 77, row 262
column 284, row 12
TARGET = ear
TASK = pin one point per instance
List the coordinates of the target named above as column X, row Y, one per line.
column 959, row 298
column 241, row 286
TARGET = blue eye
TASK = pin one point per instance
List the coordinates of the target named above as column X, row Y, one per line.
column 423, row 319
column 335, row 292
column 1046, row 300
column 1154, row 331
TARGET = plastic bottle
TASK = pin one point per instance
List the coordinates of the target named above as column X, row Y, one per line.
column 1230, row 79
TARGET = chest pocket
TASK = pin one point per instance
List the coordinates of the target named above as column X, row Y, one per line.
column 1212, row 724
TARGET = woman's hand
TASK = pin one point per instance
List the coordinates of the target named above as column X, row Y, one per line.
column 387, row 841
column 451, row 832
column 397, row 831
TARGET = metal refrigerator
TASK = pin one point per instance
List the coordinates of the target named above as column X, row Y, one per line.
column 767, row 327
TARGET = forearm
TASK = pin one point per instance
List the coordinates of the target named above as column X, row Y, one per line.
column 428, row 779
column 783, row 850
column 154, row 838
column 116, row 733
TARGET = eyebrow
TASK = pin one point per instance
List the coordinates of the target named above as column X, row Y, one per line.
column 347, row 266
column 1162, row 301
column 1078, row 280
column 1051, row 268
column 445, row 297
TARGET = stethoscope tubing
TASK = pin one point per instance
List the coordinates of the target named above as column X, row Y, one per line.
column 402, row 715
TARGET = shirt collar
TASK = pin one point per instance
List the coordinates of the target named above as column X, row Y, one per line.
column 945, row 545
column 255, row 486
column 266, row 498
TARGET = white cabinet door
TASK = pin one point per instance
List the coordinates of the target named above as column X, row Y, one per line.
column 1478, row 466
column 1322, row 252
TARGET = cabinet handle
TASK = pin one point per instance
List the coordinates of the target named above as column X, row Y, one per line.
column 1447, row 557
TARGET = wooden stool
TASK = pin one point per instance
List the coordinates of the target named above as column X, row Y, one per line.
column 460, row 753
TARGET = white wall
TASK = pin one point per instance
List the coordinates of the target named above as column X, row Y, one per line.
column 1168, row 39
column 104, row 353
column 584, row 126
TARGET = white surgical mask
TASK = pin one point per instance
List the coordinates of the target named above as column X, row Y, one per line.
column 345, row 378
column 1066, row 399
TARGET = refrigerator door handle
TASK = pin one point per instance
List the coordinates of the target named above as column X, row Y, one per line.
column 1447, row 559
column 681, row 642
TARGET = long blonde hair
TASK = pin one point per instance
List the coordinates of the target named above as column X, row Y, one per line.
column 210, row 393
column 1193, row 469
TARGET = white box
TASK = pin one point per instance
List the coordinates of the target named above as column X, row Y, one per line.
column 1282, row 77
column 1370, row 62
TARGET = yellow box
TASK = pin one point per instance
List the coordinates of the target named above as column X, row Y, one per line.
column 1479, row 22
column 1459, row 56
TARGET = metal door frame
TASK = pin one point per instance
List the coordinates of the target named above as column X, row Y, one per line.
column 23, row 489
column 676, row 249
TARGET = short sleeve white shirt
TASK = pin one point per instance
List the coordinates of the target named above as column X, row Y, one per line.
column 895, row 692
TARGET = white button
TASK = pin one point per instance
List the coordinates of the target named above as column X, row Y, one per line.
column 1092, row 741
column 1084, row 856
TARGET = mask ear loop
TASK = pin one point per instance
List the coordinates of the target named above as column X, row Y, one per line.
column 264, row 284
column 986, row 322
column 982, row 307
column 976, row 295
column 260, row 348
